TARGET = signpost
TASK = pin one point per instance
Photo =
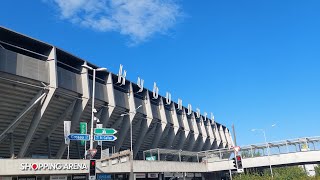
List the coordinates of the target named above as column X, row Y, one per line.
column 105, row 138
column 91, row 153
column 237, row 148
column 105, row 131
column 79, row 137
column 83, row 130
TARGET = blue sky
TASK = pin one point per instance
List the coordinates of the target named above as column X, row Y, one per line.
column 252, row 63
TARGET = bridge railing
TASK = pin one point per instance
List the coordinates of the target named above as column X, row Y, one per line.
column 248, row 151
column 281, row 147
column 172, row 155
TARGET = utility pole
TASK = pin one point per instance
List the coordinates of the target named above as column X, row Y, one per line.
column 234, row 135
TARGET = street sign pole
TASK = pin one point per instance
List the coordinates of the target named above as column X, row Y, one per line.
column 100, row 142
column 68, row 152
column 84, row 126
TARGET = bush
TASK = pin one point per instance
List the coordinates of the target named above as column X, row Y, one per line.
column 317, row 169
column 254, row 176
column 282, row 173
column 289, row 173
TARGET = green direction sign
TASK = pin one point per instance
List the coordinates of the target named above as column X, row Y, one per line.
column 105, row 131
column 83, row 130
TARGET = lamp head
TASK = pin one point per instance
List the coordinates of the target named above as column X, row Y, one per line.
column 139, row 106
column 101, row 69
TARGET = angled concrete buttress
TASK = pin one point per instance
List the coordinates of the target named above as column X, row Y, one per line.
column 145, row 124
column 53, row 84
column 78, row 108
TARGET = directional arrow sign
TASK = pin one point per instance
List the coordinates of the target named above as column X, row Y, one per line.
column 105, row 131
column 79, row 137
column 105, row 138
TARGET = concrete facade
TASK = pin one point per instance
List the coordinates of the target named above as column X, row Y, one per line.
column 41, row 86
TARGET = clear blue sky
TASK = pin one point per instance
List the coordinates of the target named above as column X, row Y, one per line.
column 252, row 63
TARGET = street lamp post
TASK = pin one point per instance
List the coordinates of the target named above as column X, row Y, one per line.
column 267, row 145
column 93, row 110
column 131, row 149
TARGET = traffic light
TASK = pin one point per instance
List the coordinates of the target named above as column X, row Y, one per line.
column 234, row 160
column 92, row 167
column 239, row 161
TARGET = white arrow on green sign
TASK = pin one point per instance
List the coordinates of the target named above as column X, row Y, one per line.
column 105, row 131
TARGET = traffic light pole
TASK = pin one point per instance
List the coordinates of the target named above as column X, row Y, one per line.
column 230, row 173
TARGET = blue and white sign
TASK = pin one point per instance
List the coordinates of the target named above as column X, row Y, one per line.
column 105, row 138
column 79, row 137
column 103, row 176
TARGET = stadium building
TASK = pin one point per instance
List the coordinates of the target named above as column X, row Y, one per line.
column 42, row 86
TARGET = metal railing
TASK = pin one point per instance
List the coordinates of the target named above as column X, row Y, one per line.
column 172, row 155
column 248, row 151
column 276, row 147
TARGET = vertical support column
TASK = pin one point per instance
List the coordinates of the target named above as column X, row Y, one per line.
column 210, row 136
column 49, row 147
column 194, row 127
column 186, row 129
column 53, row 84
column 78, row 149
column 223, row 137
column 209, row 128
column 215, row 130
column 111, row 100
column 175, row 124
column 162, row 129
column 203, row 133
column 78, row 108
column 251, row 151
column 229, row 138
column 174, row 118
column 127, row 120
column 158, row 154
column 145, row 124
column 12, row 146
